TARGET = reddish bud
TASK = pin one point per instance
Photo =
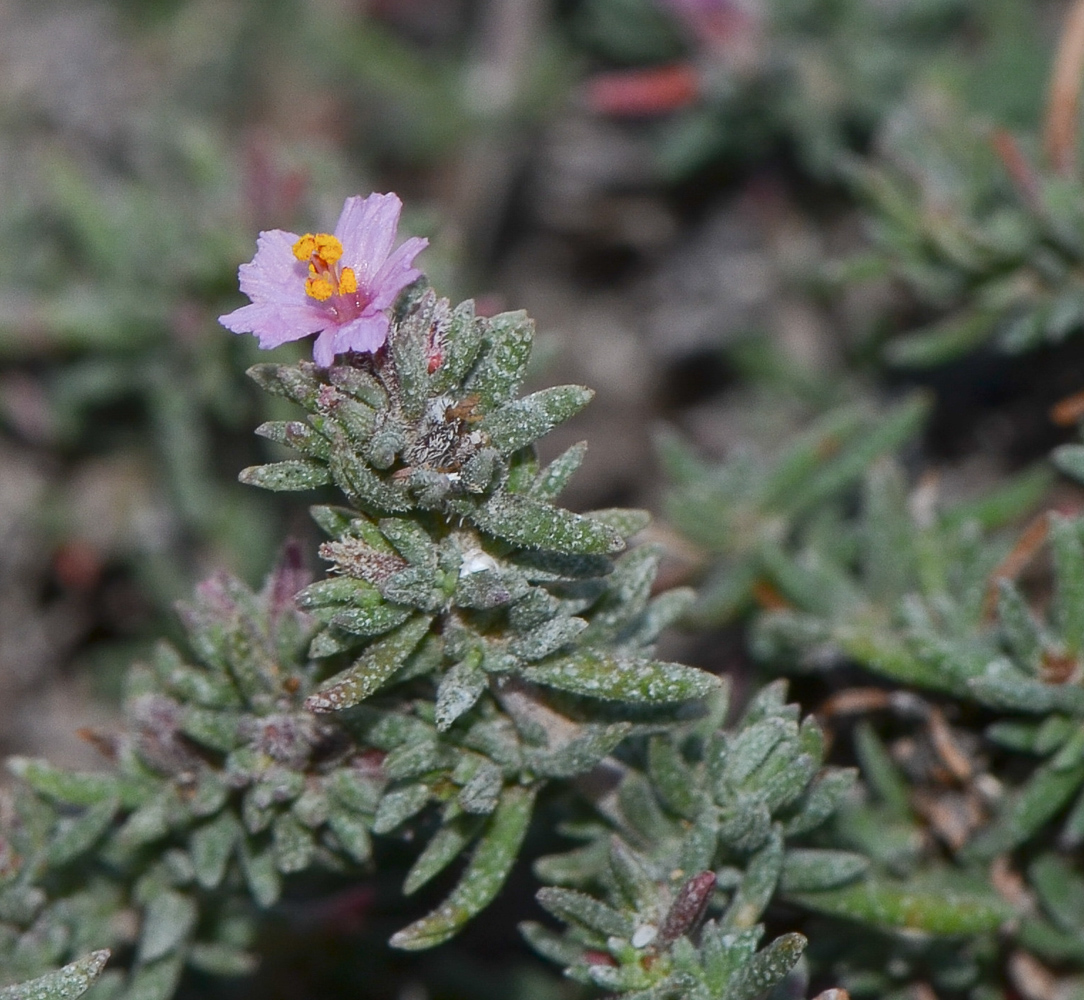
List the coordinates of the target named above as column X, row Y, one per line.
column 644, row 93
column 592, row 957
column 688, row 908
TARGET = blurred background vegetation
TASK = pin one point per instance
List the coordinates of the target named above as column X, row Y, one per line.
column 733, row 218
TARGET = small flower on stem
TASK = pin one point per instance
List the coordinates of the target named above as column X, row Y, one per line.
column 338, row 285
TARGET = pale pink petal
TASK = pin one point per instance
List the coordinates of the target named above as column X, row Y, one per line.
column 398, row 272
column 366, row 230
column 274, row 274
column 275, row 323
column 367, row 333
column 323, row 350
column 274, row 280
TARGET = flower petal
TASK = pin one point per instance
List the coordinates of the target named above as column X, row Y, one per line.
column 323, row 349
column 366, row 230
column 398, row 272
column 274, row 280
column 274, row 274
column 367, row 333
column 275, row 323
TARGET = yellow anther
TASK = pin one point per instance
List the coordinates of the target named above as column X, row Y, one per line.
column 328, row 248
column 322, row 247
column 304, row 247
column 319, row 288
column 348, row 283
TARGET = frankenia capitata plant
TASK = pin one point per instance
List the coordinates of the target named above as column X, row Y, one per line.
column 472, row 655
column 338, row 285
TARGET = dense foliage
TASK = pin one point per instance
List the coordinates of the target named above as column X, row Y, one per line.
column 869, row 776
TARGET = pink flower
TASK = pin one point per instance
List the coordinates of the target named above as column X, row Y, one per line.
column 337, row 285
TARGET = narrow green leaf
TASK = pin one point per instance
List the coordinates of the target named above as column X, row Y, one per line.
column 408, row 345
column 443, row 848
column 216, row 730
column 1050, row 942
column 1021, row 630
column 212, row 846
column 662, row 612
column 807, row 453
column 751, row 747
column 757, row 885
column 461, row 344
column 625, row 521
column 333, row 521
column 1003, row 685
column 336, row 590
column 73, row 787
column 65, row 984
column 546, row 638
column 157, row 981
column 765, row 968
column 261, row 873
column 701, row 841
column 577, row 908
column 292, row 475
column 167, row 921
column 357, row 420
column 221, row 960
column 900, row 424
column 887, row 530
column 359, row 384
column 485, row 873
column 151, row 821
column 352, row 833
column 530, row 523
column 459, row 689
column 78, row 834
column 372, row 621
column 400, row 805
column 1060, row 890
column 599, row 674
column 191, row 684
column 1069, row 578
column 481, row 791
column 1046, row 793
column 296, row 382
column 880, row 771
column 934, row 907
column 581, row 753
column 412, row 760
column 522, row 421
column 630, row 877
column 371, row 671
column 825, row 795
column 673, row 778
column 551, row 481
column 643, row 816
column 503, row 363
column 364, row 488
column 943, row 341
column 409, row 539
column 556, row 947
column 293, row 844
column 294, row 434
column 811, row 869
column 1010, row 500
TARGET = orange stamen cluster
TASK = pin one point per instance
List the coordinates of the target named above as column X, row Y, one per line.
column 322, row 251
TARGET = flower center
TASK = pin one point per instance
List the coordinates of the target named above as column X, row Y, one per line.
column 322, row 251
